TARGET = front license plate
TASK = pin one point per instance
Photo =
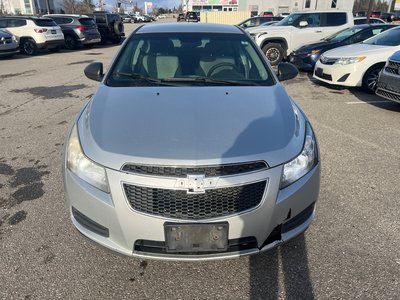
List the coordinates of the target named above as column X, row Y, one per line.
column 319, row 72
column 210, row 237
column 53, row 32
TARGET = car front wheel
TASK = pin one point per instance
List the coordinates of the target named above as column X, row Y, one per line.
column 370, row 79
column 274, row 52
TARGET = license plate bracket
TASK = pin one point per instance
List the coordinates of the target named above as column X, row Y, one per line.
column 196, row 237
column 53, row 31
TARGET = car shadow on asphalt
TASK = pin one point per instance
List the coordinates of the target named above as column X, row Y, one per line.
column 287, row 264
column 370, row 99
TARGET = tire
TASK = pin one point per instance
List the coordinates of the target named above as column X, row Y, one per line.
column 274, row 53
column 70, row 42
column 370, row 79
column 28, row 47
column 118, row 28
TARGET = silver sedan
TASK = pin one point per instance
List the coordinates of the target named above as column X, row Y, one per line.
column 191, row 149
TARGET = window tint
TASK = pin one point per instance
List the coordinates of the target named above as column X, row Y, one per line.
column 62, row 21
column 3, row 23
column 344, row 34
column 335, row 19
column 45, row 22
column 87, row 21
column 294, row 19
column 387, row 38
column 100, row 19
column 16, row 23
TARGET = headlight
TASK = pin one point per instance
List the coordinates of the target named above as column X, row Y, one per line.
column 303, row 163
column 350, row 60
column 82, row 166
column 313, row 52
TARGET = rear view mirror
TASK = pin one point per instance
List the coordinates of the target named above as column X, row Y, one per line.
column 94, row 71
column 303, row 24
column 287, row 71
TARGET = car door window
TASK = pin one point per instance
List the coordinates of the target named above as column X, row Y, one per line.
column 334, row 19
column 313, row 20
column 16, row 23
column 3, row 23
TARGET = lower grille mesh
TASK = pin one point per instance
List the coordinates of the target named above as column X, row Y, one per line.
column 178, row 204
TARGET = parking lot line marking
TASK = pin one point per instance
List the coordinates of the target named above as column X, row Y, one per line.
column 367, row 102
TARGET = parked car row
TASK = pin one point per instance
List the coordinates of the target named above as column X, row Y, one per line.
column 29, row 34
column 386, row 16
column 133, row 18
column 190, row 16
column 335, row 48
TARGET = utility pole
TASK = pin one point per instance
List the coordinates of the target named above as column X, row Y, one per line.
column 371, row 2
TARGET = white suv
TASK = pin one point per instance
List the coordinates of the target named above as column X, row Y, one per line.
column 34, row 33
column 298, row 29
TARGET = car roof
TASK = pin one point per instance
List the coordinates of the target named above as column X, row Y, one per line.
column 66, row 15
column 24, row 17
column 189, row 27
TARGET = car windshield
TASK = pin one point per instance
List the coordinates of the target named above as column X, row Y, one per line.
column 342, row 35
column 175, row 59
column 388, row 38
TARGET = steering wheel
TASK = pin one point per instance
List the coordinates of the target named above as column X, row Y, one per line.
column 222, row 65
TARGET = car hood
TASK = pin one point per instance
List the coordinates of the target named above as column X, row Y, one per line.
column 360, row 50
column 322, row 45
column 191, row 125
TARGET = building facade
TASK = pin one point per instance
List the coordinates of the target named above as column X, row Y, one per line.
column 258, row 6
column 30, row 7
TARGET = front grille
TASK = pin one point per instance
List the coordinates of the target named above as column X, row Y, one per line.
column 388, row 95
column 208, row 171
column 393, row 67
column 178, row 204
column 6, row 40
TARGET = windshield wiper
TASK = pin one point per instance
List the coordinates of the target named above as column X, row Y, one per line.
column 140, row 76
column 207, row 80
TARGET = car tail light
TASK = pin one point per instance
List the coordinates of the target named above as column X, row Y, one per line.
column 40, row 30
column 81, row 28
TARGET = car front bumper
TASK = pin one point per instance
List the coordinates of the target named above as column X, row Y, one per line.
column 337, row 74
column 388, row 86
column 303, row 61
column 9, row 49
column 109, row 220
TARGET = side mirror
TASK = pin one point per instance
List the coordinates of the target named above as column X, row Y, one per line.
column 303, row 24
column 287, row 71
column 94, row 71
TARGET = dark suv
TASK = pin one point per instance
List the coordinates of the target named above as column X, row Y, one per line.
column 110, row 26
column 77, row 29
column 191, row 16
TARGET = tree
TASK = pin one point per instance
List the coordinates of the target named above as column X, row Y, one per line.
column 71, row 6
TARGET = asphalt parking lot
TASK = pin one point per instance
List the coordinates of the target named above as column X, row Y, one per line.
column 350, row 252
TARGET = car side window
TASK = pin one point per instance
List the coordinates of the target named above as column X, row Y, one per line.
column 334, row 19
column 376, row 31
column 313, row 20
column 100, row 19
column 362, row 36
column 3, row 23
column 16, row 23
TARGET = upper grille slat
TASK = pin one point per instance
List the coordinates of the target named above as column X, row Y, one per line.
column 208, row 171
column 178, row 204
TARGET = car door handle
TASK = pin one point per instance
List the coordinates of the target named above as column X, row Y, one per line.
column 318, row 31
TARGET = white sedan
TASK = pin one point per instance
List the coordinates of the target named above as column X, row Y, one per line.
column 358, row 65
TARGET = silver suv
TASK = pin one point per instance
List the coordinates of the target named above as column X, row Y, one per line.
column 78, row 30
column 34, row 33
column 388, row 85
